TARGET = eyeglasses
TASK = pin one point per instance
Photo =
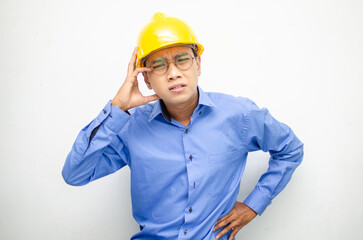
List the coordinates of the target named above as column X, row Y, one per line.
column 183, row 61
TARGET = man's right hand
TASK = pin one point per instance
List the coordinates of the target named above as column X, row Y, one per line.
column 129, row 95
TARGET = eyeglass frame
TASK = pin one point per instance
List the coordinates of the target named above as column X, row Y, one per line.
column 173, row 61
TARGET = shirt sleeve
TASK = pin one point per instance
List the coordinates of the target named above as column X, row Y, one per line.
column 98, row 149
column 286, row 153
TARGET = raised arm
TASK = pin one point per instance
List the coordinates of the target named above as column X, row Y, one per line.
column 99, row 148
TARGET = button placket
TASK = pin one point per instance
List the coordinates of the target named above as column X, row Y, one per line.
column 189, row 165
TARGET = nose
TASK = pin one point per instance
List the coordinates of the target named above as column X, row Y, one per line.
column 173, row 72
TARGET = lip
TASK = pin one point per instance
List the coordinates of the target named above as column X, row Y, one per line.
column 179, row 89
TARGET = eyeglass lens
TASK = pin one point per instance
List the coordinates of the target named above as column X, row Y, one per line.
column 183, row 61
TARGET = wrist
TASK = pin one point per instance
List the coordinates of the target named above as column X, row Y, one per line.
column 121, row 106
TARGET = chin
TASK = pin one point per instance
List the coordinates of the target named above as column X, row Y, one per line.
column 177, row 99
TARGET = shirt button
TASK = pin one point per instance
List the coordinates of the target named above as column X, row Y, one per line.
column 200, row 112
column 190, row 209
column 104, row 111
column 190, row 157
column 186, row 130
column 185, row 232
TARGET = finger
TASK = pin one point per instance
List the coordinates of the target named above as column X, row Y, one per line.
column 225, row 217
column 219, row 225
column 132, row 78
column 137, row 71
column 222, row 222
column 132, row 63
column 234, row 232
column 224, row 231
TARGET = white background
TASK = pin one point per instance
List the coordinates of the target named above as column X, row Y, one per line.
column 61, row 61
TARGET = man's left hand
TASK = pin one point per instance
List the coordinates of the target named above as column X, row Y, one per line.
column 236, row 219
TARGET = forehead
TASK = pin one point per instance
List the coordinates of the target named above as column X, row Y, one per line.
column 169, row 52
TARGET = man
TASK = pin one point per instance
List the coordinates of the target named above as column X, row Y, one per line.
column 187, row 150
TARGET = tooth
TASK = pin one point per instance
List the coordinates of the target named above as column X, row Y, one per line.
column 176, row 87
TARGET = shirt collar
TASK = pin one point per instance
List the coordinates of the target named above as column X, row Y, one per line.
column 160, row 108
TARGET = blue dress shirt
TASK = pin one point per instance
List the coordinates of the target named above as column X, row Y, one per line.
column 183, row 179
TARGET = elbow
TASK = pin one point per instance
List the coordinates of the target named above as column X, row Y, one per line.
column 67, row 178
column 301, row 152
column 71, row 179
column 297, row 154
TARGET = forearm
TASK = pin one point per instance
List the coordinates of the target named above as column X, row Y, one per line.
column 286, row 150
column 274, row 180
column 98, row 149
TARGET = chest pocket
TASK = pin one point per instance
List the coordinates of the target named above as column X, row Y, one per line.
column 224, row 172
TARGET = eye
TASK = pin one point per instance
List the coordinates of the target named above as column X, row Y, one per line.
column 180, row 60
column 159, row 62
column 158, row 65
column 183, row 58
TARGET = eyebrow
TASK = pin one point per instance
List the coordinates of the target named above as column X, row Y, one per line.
column 182, row 54
column 158, row 60
column 161, row 59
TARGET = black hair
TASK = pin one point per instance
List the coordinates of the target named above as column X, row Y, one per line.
column 195, row 50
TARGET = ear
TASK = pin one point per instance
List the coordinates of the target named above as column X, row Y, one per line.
column 198, row 60
column 146, row 80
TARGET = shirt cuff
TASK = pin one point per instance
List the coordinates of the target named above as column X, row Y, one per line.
column 113, row 117
column 257, row 201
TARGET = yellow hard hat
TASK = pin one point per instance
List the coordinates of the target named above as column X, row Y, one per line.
column 163, row 32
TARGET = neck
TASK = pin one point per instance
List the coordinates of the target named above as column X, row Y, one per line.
column 183, row 112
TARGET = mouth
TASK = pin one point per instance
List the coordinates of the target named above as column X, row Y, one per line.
column 177, row 87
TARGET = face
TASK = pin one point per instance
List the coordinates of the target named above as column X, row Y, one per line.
column 175, row 86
